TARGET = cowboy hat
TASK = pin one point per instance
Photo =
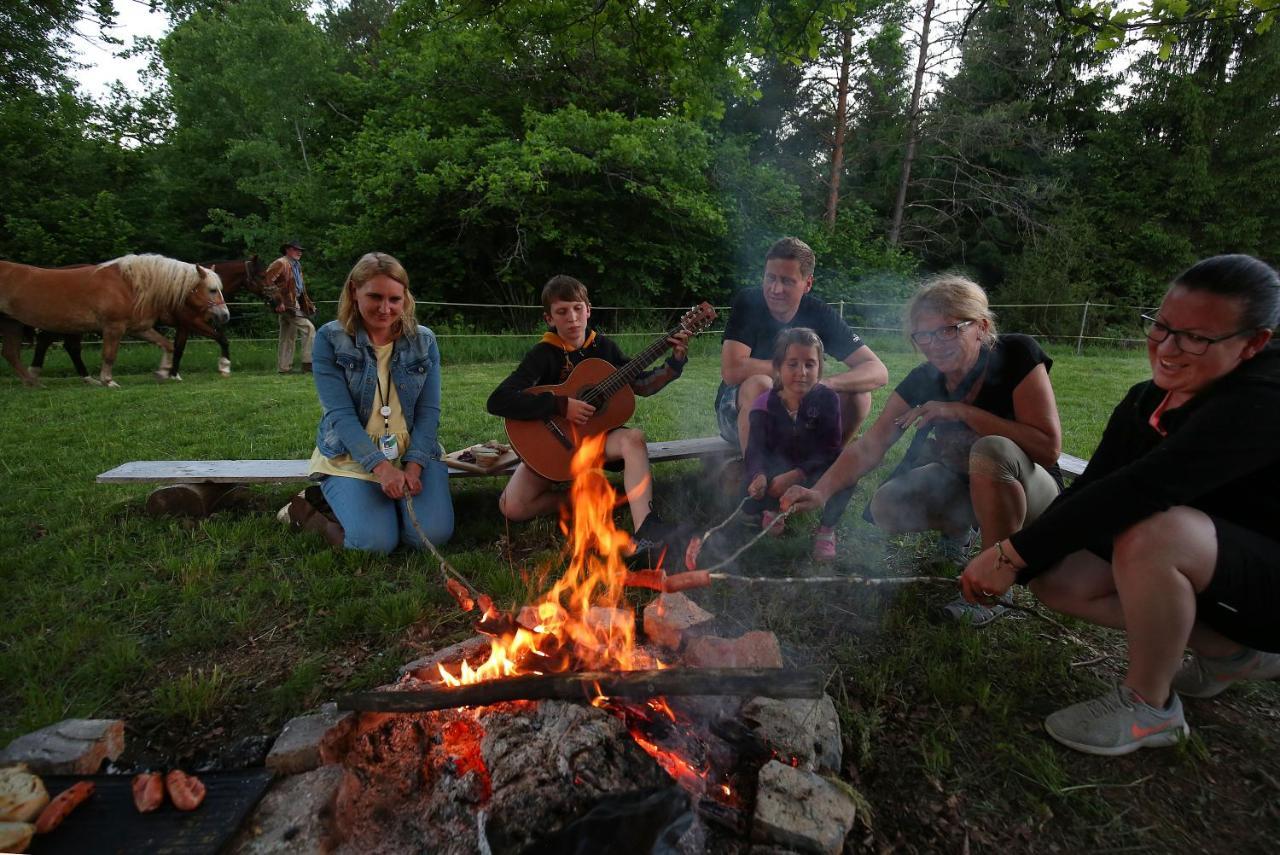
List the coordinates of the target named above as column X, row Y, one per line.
column 290, row 244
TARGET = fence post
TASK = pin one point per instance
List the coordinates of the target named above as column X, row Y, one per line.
column 842, row 310
column 1084, row 318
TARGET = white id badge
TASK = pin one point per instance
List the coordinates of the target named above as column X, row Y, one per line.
column 388, row 446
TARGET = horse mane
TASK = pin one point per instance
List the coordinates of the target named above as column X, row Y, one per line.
column 159, row 282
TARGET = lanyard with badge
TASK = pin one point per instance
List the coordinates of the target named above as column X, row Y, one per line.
column 387, row 443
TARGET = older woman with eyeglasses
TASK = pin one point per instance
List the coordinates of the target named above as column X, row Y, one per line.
column 1170, row 533
column 987, row 436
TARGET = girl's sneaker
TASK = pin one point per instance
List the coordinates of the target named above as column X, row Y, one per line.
column 767, row 520
column 824, row 544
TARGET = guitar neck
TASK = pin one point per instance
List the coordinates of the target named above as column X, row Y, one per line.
column 638, row 363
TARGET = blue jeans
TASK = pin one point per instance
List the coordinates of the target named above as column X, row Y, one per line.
column 374, row 523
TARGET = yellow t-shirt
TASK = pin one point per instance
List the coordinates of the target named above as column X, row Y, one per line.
column 345, row 467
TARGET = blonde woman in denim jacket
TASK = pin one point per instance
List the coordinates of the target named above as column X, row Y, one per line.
column 377, row 373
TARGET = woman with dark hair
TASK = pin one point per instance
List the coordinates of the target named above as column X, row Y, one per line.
column 378, row 377
column 1170, row 532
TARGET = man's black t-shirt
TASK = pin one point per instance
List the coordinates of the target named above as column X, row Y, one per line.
column 750, row 323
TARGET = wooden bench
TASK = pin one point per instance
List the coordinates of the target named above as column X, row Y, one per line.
column 197, row 487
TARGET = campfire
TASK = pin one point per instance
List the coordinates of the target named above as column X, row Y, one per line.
column 564, row 727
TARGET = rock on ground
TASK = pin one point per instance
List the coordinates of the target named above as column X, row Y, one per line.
column 309, row 741
column 672, row 618
column 296, row 815
column 806, row 731
column 76, row 746
column 755, row 649
column 801, row 810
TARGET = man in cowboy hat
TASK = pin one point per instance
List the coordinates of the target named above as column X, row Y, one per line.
column 293, row 304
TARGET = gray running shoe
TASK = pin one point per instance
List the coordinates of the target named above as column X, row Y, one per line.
column 974, row 614
column 1118, row 722
column 957, row 550
column 1208, row 676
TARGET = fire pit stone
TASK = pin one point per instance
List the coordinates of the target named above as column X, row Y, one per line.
column 74, row 746
column 805, row 731
column 801, row 810
column 671, row 619
column 296, row 815
column 474, row 651
column 310, row 740
column 756, row 649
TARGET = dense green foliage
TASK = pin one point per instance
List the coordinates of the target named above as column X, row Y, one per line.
column 656, row 149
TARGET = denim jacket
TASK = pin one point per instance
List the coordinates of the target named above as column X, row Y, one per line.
column 346, row 373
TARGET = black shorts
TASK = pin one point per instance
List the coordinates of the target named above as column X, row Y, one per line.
column 1242, row 600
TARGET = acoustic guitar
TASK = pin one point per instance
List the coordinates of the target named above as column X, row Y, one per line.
column 547, row 445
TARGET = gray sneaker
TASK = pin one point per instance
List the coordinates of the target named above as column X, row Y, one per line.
column 974, row 614
column 957, row 550
column 1208, row 676
column 1118, row 722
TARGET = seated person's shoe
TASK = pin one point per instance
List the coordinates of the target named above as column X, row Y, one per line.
column 974, row 614
column 649, row 544
column 824, row 544
column 1118, row 722
column 773, row 522
column 1209, row 676
column 955, row 550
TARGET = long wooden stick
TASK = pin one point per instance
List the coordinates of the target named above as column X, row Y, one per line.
column 856, row 580
column 446, row 569
column 588, row 685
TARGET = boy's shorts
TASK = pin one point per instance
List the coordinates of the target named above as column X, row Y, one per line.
column 727, row 414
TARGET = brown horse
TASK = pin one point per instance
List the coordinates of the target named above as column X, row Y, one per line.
column 235, row 276
column 126, row 296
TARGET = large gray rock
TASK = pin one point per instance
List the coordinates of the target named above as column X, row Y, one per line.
column 800, row 810
column 806, row 731
column 310, row 741
column 296, row 815
column 671, row 619
column 76, row 746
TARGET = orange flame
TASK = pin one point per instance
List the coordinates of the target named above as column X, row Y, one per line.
column 584, row 610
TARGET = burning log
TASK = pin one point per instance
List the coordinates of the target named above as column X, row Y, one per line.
column 589, row 685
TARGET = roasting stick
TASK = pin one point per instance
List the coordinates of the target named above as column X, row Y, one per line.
column 706, row 534
column 446, row 569
column 778, row 520
column 658, row 581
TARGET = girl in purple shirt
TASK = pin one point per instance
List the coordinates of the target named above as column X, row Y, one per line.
column 794, row 437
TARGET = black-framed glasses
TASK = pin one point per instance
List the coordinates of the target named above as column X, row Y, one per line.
column 946, row 333
column 1188, row 342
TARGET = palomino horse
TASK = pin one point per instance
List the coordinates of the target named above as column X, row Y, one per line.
column 235, row 275
column 126, row 296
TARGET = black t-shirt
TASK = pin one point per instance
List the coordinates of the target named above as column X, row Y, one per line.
column 1012, row 358
column 750, row 323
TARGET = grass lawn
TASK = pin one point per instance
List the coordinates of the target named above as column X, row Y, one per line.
column 201, row 633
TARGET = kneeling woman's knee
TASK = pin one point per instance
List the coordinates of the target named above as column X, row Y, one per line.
column 381, row 540
column 996, row 457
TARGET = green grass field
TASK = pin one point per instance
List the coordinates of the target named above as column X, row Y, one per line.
column 200, row 632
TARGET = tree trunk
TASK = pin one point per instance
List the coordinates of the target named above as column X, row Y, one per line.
column 913, row 127
column 842, row 120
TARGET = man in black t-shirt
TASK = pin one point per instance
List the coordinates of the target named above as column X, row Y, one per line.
column 756, row 318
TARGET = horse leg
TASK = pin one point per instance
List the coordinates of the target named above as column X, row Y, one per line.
column 111, row 335
column 179, row 347
column 71, row 344
column 224, row 361
column 43, row 340
column 164, row 372
column 11, row 331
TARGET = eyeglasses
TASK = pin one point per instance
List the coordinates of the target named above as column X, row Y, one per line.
column 1190, row 343
column 947, row 333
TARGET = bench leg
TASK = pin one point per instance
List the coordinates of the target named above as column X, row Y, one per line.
column 196, row 501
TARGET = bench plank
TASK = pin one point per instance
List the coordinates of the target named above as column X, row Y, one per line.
column 287, row 471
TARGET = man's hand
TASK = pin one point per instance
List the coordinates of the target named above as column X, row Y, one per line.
column 577, row 412
column 680, row 345
column 801, row 499
column 757, row 486
column 413, row 478
column 391, row 479
column 280, row 308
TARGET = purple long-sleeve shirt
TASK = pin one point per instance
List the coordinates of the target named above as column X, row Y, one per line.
column 810, row 443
